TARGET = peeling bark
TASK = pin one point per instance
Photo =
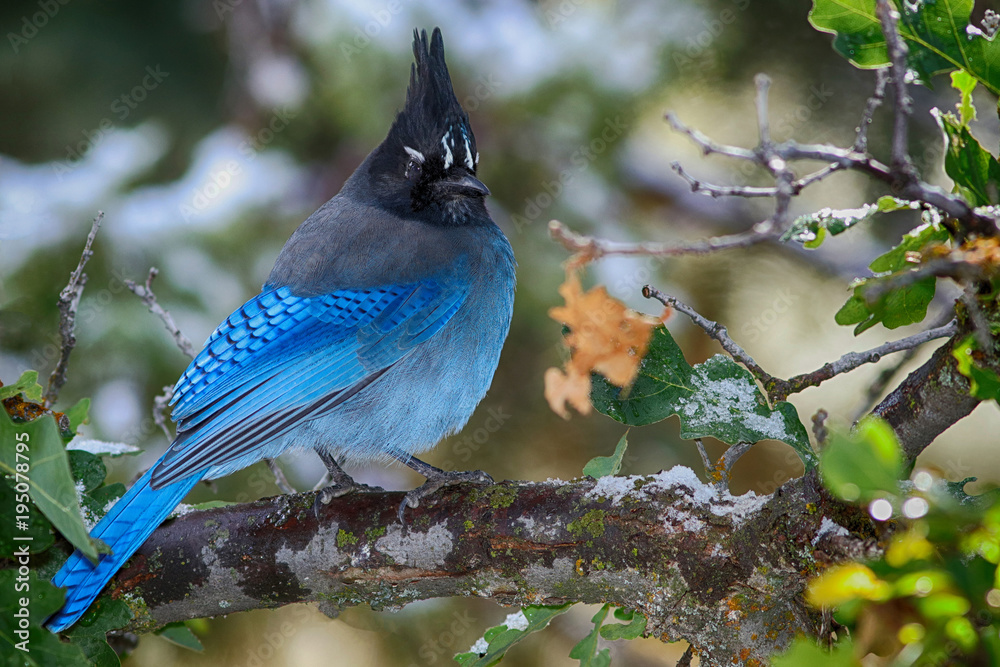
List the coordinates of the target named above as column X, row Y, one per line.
column 722, row 572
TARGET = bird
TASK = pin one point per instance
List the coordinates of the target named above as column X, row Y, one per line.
column 377, row 333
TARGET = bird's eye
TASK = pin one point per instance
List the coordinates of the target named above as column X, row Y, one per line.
column 413, row 169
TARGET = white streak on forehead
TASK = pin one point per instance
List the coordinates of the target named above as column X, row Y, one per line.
column 468, row 154
column 448, row 157
column 415, row 154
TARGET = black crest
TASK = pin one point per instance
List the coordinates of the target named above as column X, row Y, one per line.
column 433, row 122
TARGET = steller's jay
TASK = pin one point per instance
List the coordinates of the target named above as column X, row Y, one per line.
column 376, row 334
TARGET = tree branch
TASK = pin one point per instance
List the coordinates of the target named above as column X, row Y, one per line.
column 145, row 292
column 691, row 558
column 715, row 331
column 930, row 399
column 69, row 302
column 778, row 389
column 593, row 248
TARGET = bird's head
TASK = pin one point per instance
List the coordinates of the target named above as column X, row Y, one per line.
column 427, row 164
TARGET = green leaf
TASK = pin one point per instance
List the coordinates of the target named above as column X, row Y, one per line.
column 87, row 469
column 805, row 651
column 48, row 477
column 635, row 626
column 586, row 650
column 717, row 398
column 602, row 466
column 26, row 384
column 181, row 634
column 90, row 632
column 974, row 169
column 44, row 647
column 965, row 83
column 898, row 306
column 77, row 414
column 864, row 465
column 499, row 639
column 939, row 36
column 983, row 383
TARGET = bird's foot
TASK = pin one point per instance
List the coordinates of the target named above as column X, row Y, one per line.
column 340, row 483
column 437, row 480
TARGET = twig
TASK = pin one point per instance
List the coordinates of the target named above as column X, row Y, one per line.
column 748, row 191
column 762, row 82
column 594, row 248
column 69, row 302
column 707, row 145
column 160, row 404
column 903, row 183
column 145, row 292
column 279, row 477
column 853, row 360
column 704, row 455
column 874, row 102
column 722, row 190
column 778, row 389
column 889, row 19
column 716, row 331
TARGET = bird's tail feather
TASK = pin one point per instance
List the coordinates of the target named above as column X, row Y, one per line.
column 124, row 528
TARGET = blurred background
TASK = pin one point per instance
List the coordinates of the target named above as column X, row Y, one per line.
column 207, row 131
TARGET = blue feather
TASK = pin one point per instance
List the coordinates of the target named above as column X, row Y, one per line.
column 124, row 528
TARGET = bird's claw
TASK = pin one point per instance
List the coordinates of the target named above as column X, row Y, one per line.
column 412, row 498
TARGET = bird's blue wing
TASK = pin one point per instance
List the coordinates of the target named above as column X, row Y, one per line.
column 281, row 359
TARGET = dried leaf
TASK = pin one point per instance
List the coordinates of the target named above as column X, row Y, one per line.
column 604, row 336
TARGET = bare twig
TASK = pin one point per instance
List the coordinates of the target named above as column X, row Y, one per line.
column 889, row 19
column 707, row 145
column 881, row 383
column 763, row 85
column 902, row 181
column 69, row 302
column 874, row 102
column 145, row 292
column 594, row 248
column 853, row 360
column 722, row 190
column 279, row 477
column 160, row 404
column 704, row 455
column 779, row 389
column 716, row 331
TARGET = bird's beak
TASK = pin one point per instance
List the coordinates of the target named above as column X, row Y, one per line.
column 465, row 184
